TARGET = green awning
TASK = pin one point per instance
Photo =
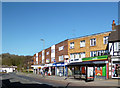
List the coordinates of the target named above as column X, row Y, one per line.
column 95, row 58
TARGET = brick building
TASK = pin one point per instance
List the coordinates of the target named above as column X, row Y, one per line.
column 81, row 49
column 78, row 56
column 61, row 54
column 114, row 49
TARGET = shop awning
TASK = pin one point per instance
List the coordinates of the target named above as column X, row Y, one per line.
column 88, row 63
column 97, row 58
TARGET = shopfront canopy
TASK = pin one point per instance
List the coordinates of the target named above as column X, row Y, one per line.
column 88, row 63
column 92, row 60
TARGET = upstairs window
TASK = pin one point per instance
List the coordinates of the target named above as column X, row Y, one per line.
column 77, row 55
column 82, row 43
column 116, row 46
column 61, row 48
column 52, row 59
column 39, row 55
column 47, row 60
column 61, row 58
column 47, row 53
column 98, row 53
column 93, row 42
column 83, row 55
column 53, row 51
column 71, row 45
column 72, row 56
column 119, row 46
column 105, row 40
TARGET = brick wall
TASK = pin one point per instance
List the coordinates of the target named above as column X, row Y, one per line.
column 99, row 44
column 40, row 57
column 61, row 52
column 48, row 50
column 34, row 59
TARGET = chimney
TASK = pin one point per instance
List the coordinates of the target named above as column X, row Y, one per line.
column 113, row 25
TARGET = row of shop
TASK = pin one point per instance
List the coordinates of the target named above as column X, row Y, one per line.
column 88, row 68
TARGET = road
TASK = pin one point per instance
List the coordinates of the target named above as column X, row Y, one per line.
column 12, row 80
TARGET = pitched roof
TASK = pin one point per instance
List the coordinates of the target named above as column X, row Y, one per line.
column 115, row 34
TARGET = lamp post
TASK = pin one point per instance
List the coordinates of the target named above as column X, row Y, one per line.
column 43, row 45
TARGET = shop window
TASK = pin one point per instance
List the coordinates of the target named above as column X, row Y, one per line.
column 98, row 68
column 115, row 46
column 83, row 70
column 115, row 69
column 77, row 70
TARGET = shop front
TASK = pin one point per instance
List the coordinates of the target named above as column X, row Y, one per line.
column 83, row 71
column 37, row 68
column 90, row 67
column 60, row 69
column 115, row 67
column 53, row 70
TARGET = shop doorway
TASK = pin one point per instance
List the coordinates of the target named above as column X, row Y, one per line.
column 53, row 70
column 116, row 69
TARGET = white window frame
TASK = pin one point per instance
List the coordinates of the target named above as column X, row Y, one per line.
column 119, row 46
column 48, row 60
column 61, row 58
column 93, row 42
column 82, row 43
column 77, row 55
column 116, row 46
column 39, row 55
column 52, row 59
column 71, row 45
column 102, row 52
column 71, row 56
column 53, row 51
column 61, row 48
column 82, row 55
column 105, row 39
column 47, row 53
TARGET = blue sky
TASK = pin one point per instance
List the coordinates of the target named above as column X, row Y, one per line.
column 25, row 23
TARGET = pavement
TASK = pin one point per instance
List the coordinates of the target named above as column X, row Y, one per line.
column 75, row 82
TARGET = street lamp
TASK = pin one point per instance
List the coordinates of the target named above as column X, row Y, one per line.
column 43, row 43
column 43, row 46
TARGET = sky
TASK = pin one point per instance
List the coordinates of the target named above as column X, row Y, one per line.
column 25, row 23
